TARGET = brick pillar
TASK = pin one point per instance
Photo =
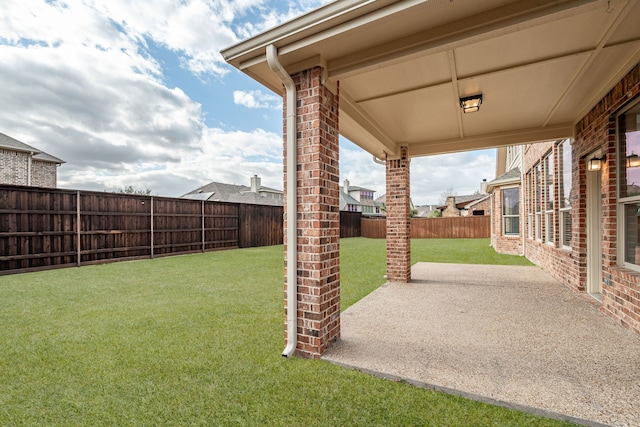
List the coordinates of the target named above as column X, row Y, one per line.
column 398, row 219
column 318, row 215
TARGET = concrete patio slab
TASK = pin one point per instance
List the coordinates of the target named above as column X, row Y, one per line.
column 508, row 335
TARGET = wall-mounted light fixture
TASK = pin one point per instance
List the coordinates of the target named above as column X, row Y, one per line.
column 633, row 160
column 471, row 104
column 595, row 163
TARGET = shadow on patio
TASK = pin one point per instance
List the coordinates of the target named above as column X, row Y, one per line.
column 506, row 335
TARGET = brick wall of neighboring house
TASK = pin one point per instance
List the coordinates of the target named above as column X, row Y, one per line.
column 318, row 221
column 504, row 244
column 596, row 131
column 451, row 210
column 44, row 174
column 13, row 167
column 14, row 170
column 481, row 208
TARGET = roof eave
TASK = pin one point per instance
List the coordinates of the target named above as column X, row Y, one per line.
column 255, row 46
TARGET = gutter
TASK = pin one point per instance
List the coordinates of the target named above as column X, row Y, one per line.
column 292, row 207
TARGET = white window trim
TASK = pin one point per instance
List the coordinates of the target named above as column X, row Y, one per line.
column 622, row 201
column 563, row 210
column 511, row 216
column 561, row 228
column 549, row 218
column 537, row 203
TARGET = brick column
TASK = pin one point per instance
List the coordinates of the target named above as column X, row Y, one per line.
column 398, row 219
column 318, row 215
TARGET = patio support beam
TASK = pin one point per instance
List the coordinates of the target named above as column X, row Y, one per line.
column 318, row 220
column 398, row 218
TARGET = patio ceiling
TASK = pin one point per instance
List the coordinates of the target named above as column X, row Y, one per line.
column 401, row 67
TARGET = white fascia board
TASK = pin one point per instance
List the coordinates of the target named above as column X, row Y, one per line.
column 494, row 140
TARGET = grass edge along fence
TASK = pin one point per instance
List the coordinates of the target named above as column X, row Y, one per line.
column 43, row 228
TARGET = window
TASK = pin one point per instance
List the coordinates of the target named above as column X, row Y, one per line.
column 511, row 211
column 629, row 184
column 538, row 200
column 548, row 199
column 529, row 204
column 565, row 181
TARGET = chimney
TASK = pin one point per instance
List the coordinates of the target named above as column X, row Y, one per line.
column 483, row 186
column 346, row 186
column 255, row 183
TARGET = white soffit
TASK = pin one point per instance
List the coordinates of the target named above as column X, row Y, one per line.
column 402, row 66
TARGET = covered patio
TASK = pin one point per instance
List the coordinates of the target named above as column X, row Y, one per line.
column 413, row 78
column 506, row 335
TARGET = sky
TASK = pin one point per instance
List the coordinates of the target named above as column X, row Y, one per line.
column 136, row 93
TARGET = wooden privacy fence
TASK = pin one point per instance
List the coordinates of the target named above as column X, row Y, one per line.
column 350, row 224
column 442, row 228
column 48, row 228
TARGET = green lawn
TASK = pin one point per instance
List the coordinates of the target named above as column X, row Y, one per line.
column 196, row 340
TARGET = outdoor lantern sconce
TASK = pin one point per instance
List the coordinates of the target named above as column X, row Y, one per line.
column 595, row 164
column 471, row 104
column 633, row 160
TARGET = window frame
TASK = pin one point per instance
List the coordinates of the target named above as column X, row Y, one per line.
column 548, row 199
column 507, row 216
column 537, row 201
column 624, row 202
column 564, row 203
column 529, row 202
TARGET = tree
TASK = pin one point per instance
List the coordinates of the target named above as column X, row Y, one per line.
column 446, row 194
column 130, row 190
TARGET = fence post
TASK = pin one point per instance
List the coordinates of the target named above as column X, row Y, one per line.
column 79, row 261
column 203, row 241
column 151, row 227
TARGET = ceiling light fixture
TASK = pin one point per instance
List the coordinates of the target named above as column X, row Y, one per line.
column 471, row 104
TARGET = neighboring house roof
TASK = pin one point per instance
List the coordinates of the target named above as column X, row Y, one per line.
column 356, row 188
column 475, row 202
column 511, row 177
column 346, row 199
column 382, row 200
column 221, row 192
column 462, row 201
column 13, row 144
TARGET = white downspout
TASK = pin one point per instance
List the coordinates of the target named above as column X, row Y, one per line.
column 292, row 207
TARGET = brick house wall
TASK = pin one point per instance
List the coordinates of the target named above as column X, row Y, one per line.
column 596, row 131
column 14, row 170
column 13, row 167
column 504, row 244
column 565, row 265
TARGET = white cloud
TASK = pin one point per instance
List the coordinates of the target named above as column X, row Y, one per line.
column 257, row 99
column 79, row 81
column 430, row 176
